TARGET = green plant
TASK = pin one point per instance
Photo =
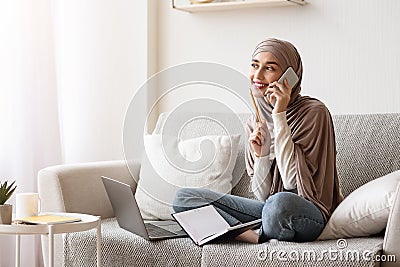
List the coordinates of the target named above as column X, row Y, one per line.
column 6, row 191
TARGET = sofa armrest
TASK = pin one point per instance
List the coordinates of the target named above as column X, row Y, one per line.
column 78, row 187
column 392, row 234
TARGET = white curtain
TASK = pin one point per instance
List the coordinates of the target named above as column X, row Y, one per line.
column 68, row 70
column 29, row 128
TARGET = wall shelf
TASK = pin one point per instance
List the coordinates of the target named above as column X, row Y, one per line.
column 219, row 6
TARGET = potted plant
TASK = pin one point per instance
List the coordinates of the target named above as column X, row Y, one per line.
column 5, row 209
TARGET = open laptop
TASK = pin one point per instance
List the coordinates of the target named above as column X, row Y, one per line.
column 128, row 215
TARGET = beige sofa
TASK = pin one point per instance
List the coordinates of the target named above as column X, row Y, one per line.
column 78, row 188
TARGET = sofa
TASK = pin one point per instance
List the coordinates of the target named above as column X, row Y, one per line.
column 368, row 147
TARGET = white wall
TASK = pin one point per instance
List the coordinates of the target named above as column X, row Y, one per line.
column 349, row 48
column 105, row 50
column 102, row 59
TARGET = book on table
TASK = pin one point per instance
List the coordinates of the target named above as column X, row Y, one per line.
column 49, row 219
column 205, row 224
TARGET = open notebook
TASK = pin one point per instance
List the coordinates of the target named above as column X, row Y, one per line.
column 205, row 224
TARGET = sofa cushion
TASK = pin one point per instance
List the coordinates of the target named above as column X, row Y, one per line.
column 122, row 248
column 368, row 147
column 171, row 164
column 365, row 211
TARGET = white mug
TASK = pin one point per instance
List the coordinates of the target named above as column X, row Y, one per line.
column 27, row 205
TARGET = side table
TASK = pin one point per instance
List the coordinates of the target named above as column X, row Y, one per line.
column 87, row 222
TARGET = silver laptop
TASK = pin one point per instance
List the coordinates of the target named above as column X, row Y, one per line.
column 126, row 210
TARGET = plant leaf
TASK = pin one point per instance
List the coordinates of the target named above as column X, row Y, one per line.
column 6, row 191
column 9, row 188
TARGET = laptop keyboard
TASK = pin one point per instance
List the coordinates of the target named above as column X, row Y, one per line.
column 154, row 230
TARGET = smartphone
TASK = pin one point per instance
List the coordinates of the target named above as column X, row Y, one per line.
column 291, row 77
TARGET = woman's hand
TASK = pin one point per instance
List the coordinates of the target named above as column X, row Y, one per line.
column 260, row 140
column 279, row 95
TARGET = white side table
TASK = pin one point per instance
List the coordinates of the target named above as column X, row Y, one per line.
column 87, row 222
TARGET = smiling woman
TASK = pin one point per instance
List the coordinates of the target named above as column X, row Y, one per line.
column 290, row 156
column 279, row 155
column 264, row 70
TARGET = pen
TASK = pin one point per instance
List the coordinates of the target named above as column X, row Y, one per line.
column 255, row 106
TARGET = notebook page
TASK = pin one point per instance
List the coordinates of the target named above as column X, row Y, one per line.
column 202, row 222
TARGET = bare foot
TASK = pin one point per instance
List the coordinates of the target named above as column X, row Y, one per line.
column 249, row 236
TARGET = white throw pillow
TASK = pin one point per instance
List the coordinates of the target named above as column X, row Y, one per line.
column 204, row 162
column 365, row 211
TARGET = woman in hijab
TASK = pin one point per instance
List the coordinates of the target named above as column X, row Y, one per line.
column 290, row 157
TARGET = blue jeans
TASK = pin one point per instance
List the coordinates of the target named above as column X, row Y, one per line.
column 285, row 216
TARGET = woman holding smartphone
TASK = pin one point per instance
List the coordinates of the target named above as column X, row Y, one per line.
column 290, row 157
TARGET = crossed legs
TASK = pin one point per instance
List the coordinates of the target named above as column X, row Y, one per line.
column 285, row 216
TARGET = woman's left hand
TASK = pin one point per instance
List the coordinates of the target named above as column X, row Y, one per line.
column 278, row 94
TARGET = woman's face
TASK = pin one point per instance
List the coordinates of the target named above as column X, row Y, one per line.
column 264, row 70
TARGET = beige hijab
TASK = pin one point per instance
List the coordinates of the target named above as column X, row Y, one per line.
column 312, row 134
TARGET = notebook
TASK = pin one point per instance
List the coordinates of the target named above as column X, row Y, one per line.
column 205, row 224
column 49, row 219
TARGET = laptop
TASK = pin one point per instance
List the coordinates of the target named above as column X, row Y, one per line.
column 128, row 215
